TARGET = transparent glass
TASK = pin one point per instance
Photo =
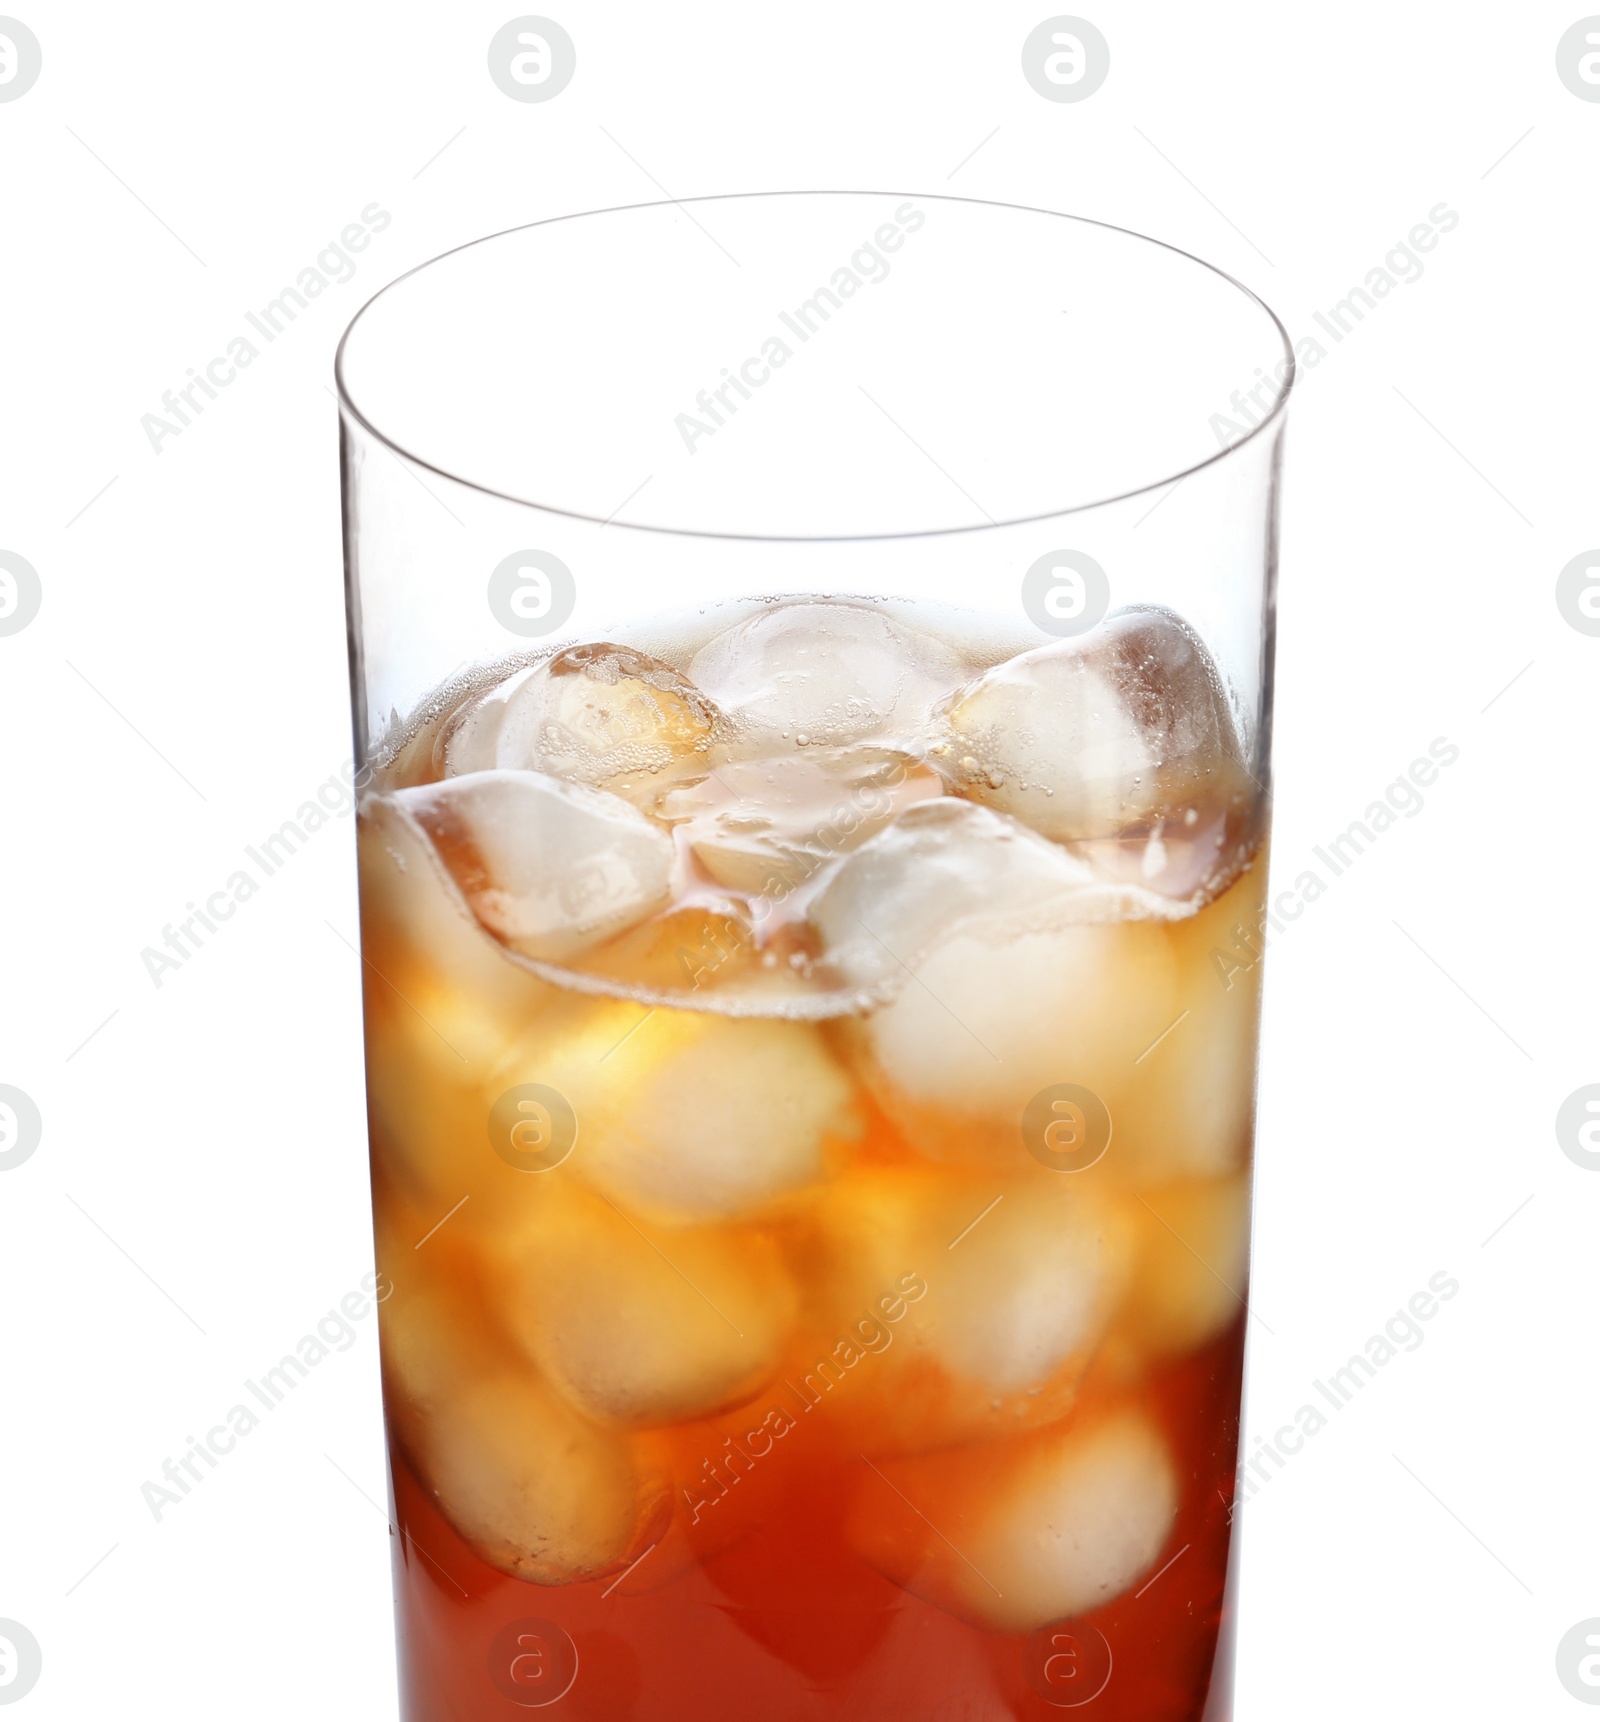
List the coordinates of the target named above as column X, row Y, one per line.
column 811, row 662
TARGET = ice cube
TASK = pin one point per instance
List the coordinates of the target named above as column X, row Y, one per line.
column 538, row 1491
column 1017, row 968
column 443, row 1003
column 599, row 714
column 688, row 1115
column 424, row 952
column 1048, row 1525
column 997, row 1288
column 1029, row 1287
column 1192, row 1113
column 550, row 868
column 998, row 1012
column 641, row 1325
column 1193, row 1256
column 702, row 945
column 1126, row 725
column 416, row 748
column 469, row 739
column 821, row 674
column 1074, row 1525
column 764, row 827
column 943, row 865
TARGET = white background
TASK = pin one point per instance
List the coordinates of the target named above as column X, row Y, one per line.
column 199, row 1197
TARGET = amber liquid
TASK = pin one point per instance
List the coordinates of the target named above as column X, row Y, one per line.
column 789, row 1624
column 826, row 1450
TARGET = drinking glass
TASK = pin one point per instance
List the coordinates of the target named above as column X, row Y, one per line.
column 811, row 665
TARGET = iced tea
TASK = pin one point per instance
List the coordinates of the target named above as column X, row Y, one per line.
column 811, row 1139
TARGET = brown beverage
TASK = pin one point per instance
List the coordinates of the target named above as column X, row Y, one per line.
column 811, row 1134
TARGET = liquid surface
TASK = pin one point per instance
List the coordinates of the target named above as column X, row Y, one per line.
column 811, row 1071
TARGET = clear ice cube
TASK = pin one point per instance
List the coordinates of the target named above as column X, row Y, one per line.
column 822, row 674
column 994, row 1015
column 941, row 865
column 599, row 714
column 764, row 827
column 550, row 868
column 1127, row 726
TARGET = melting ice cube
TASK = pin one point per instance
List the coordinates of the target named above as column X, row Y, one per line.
column 688, row 1115
column 599, row 714
column 941, row 865
column 1127, row 725
column 538, row 1491
column 642, row 1325
column 766, row 826
column 548, row 867
column 1015, row 1279
column 808, row 674
column 1048, row 1525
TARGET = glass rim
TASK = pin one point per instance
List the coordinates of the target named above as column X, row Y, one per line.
column 1275, row 412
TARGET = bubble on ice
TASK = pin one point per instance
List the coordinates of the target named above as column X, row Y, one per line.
column 600, row 714
column 941, row 866
column 825, row 673
column 1125, row 725
column 550, row 868
column 413, row 752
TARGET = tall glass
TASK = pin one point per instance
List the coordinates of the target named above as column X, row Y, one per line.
column 811, row 659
